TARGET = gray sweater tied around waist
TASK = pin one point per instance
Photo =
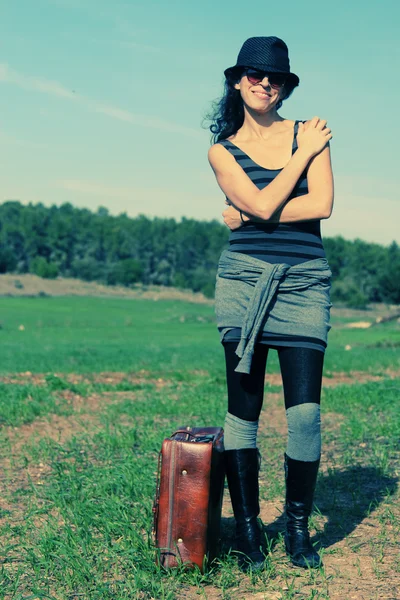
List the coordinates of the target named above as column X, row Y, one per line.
column 247, row 292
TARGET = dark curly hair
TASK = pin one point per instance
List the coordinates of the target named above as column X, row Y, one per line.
column 227, row 113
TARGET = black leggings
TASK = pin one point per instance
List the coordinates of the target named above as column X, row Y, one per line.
column 301, row 370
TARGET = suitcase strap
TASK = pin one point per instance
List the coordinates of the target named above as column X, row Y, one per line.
column 156, row 503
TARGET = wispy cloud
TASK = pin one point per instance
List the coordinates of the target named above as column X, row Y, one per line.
column 37, row 84
column 144, row 121
column 54, row 88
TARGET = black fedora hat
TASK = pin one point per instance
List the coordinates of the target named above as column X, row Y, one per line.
column 264, row 53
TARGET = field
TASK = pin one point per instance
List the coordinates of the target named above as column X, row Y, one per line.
column 90, row 386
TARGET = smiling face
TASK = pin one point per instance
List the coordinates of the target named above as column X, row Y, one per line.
column 260, row 97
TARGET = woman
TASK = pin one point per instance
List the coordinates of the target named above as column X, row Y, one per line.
column 273, row 283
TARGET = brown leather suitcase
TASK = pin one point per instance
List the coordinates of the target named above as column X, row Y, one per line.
column 188, row 502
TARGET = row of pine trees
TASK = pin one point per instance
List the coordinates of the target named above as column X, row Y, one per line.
column 96, row 246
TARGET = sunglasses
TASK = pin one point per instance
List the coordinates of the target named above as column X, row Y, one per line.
column 276, row 80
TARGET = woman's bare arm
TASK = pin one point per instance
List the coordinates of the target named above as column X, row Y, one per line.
column 245, row 195
column 318, row 203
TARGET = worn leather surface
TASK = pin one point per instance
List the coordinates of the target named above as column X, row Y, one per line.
column 188, row 510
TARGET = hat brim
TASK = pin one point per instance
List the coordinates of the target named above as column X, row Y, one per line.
column 237, row 69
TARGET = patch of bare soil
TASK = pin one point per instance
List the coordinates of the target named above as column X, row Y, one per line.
column 141, row 377
column 273, row 417
column 372, row 312
column 85, row 417
column 18, row 474
column 341, row 378
column 27, row 284
column 56, row 427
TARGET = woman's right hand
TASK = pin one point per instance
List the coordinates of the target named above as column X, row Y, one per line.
column 313, row 136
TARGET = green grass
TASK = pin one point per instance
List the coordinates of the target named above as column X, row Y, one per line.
column 24, row 403
column 76, row 514
column 95, row 504
column 101, row 334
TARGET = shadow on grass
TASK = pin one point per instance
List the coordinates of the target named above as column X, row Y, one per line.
column 346, row 497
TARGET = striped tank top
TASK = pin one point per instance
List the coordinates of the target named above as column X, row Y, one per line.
column 290, row 243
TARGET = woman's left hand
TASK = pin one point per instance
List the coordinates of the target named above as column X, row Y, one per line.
column 232, row 217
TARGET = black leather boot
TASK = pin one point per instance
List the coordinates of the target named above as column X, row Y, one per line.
column 242, row 467
column 301, row 478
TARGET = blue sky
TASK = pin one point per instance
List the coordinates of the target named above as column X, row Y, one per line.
column 102, row 102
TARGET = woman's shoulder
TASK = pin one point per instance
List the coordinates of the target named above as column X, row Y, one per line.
column 218, row 154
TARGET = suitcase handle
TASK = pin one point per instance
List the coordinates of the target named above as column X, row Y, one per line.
column 186, row 432
column 201, row 436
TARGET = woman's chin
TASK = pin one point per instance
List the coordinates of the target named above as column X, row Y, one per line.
column 261, row 110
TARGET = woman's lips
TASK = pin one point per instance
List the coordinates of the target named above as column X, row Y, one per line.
column 261, row 95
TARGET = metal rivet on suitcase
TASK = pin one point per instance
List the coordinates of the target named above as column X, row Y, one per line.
column 184, row 472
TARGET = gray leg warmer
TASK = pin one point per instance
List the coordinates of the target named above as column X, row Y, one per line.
column 304, row 432
column 239, row 433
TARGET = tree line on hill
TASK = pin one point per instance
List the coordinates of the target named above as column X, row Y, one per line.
column 96, row 246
